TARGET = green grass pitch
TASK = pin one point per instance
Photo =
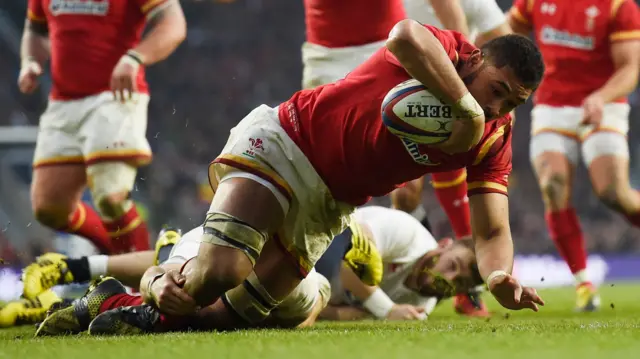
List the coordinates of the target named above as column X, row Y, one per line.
column 555, row 332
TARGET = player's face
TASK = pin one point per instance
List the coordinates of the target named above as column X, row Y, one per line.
column 497, row 90
column 445, row 271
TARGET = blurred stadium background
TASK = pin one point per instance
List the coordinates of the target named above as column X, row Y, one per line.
column 225, row 68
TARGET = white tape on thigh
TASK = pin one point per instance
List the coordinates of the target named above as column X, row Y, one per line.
column 604, row 144
column 284, row 203
column 110, row 178
column 554, row 142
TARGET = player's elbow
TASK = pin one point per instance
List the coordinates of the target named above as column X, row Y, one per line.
column 402, row 35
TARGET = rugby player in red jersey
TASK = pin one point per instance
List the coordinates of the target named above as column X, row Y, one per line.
column 93, row 132
column 339, row 37
column 591, row 50
column 289, row 177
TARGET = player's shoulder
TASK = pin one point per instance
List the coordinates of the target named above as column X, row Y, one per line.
column 496, row 139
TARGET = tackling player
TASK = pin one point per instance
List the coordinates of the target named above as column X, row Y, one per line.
column 482, row 21
column 592, row 55
column 93, row 130
column 417, row 271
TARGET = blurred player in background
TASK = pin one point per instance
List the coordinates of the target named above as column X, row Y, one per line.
column 481, row 21
column 93, row 132
column 592, row 56
column 417, row 270
column 339, row 39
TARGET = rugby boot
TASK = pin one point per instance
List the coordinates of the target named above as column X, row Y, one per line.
column 28, row 311
column 77, row 317
column 587, row 298
column 167, row 238
column 132, row 320
column 48, row 270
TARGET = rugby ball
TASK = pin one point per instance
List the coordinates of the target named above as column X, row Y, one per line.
column 411, row 112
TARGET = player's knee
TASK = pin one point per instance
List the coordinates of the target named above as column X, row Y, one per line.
column 110, row 184
column 51, row 215
column 114, row 205
column 406, row 199
column 611, row 195
column 554, row 187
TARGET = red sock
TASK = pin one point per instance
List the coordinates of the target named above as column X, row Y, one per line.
column 564, row 229
column 120, row 300
column 86, row 222
column 634, row 219
column 451, row 190
column 129, row 232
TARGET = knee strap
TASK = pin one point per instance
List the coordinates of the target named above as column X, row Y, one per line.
column 250, row 300
column 226, row 230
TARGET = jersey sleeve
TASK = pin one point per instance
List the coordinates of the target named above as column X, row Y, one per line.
column 522, row 10
column 491, row 168
column 625, row 21
column 446, row 38
column 486, row 16
column 151, row 7
column 35, row 11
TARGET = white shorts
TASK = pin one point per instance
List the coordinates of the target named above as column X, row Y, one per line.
column 558, row 129
column 93, row 129
column 323, row 65
column 298, row 304
column 259, row 148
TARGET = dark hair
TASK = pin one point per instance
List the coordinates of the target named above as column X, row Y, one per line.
column 520, row 54
column 467, row 242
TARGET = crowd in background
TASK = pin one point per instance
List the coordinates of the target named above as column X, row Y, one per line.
column 246, row 53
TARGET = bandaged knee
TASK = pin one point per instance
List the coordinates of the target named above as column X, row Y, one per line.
column 226, row 230
column 107, row 179
column 250, row 300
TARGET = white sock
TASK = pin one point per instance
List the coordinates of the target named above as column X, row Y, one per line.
column 419, row 213
column 581, row 276
column 98, row 265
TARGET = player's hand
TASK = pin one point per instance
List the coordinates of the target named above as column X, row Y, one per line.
column 28, row 78
column 169, row 297
column 511, row 295
column 593, row 107
column 465, row 134
column 406, row 312
column 124, row 78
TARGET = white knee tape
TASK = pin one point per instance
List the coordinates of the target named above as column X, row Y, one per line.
column 554, row 142
column 604, row 144
column 110, row 178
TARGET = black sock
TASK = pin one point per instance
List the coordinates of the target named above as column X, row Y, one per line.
column 164, row 252
column 79, row 268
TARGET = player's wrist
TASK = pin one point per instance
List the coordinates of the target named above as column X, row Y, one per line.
column 495, row 275
column 135, row 57
column 467, row 107
column 379, row 304
column 152, row 280
column 28, row 61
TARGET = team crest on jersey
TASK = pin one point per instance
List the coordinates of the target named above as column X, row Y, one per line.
column 256, row 145
column 551, row 36
column 79, row 7
column 592, row 12
column 414, row 151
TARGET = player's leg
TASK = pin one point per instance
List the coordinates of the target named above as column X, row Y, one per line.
column 606, row 155
column 451, row 190
column 409, row 199
column 115, row 146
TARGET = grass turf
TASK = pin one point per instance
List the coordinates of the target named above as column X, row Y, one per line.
column 555, row 332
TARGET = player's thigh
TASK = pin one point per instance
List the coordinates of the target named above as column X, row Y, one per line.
column 116, row 131
column 408, row 197
column 303, row 304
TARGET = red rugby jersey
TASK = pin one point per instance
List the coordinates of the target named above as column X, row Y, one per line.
column 575, row 39
column 87, row 40
column 339, row 128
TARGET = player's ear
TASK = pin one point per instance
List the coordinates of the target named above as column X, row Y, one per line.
column 475, row 58
column 445, row 242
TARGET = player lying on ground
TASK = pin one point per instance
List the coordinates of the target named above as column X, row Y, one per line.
column 417, row 271
column 577, row 116
column 93, row 131
column 160, row 287
column 289, row 177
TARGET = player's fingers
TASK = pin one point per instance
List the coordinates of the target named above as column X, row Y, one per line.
column 419, row 309
column 529, row 305
column 532, row 295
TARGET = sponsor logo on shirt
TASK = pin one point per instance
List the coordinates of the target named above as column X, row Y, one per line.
column 551, row 36
column 79, row 7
